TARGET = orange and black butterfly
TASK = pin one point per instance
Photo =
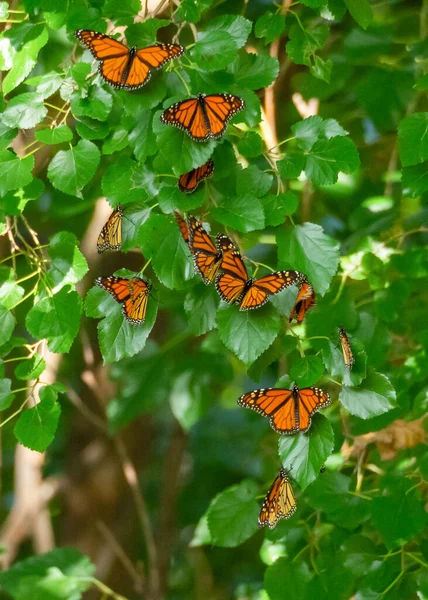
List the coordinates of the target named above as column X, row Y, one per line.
column 204, row 117
column 123, row 67
column 183, row 228
column 110, row 237
column 279, row 502
column 207, row 256
column 348, row 357
column 234, row 286
column 289, row 412
column 190, row 181
column 132, row 293
column 304, row 301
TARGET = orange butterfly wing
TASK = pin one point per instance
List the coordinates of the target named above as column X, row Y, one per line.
column 188, row 182
column 279, row 502
column 132, row 293
column 348, row 357
column 207, row 256
column 259, row 291
column 110, row 237
column 101, row 46
column 219, row 109
column 310, row 400
column 304, row 301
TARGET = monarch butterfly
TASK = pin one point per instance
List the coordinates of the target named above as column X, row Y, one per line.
column 207, row 256
column 110, row 237
column 123, row 67
column 183, row 229
column 234, row 286
column 190, row 181
column 289, row 412
column 279, row 502
column 348, row 357
column 133, row 293
column 203, row 117
column 304, row 301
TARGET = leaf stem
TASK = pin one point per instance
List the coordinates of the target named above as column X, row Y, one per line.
column 183, row 81
column 27, row 276
column 55, row 107
column 33, row 152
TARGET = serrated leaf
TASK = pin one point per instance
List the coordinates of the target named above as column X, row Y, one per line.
column 304, row 454
column 25, row 111
column 142, row 139
column 321, row 69
column 47, row 84
column 328, row 157
column 237, row 26
column 58, row 135
column 286, row 575
column 307, row 370
column 415, row 180
column 214, row 50
column 373, row 397
column 361, row 11
column 6, row 396
column 277, row 208
column 243, row 213
column 24, row 60
column 255, row 71
column 291, row 165
column 413, row 139
column 303, row 44
column 251, row 144
column 15, row 172
column 70, row 170
column 10, row 292
column 306, row 248
column 36, row 426
column 31, row 368
column 247, row 333
column 232, row 515
column 68, row 265
column 7, row 324
column 89, row 129
column 201, row 305
column 56, row 318
column 122, row 13
column 144, row 34
column 96, row 105
column 269, row 26
column 187, row 154
column 118, row 182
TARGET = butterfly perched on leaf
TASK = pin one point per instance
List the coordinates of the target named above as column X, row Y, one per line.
column 184, row 230
column 304, row 301
column 204, row 117
column 110, row 237
column 348, row 357
column 279, row 502
column 123, row 67
column 207, row 256
column 234, row 286
column 289, row 412
column 188, row 182
column 132, row 293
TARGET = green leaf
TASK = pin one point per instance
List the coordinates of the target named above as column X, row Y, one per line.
column 415, row 180
column 92, row 130
column 286, row 575
column 186, row 400
column 47, row 84
column 269, row 26
column 390, row 514
column 96, row 105
column 321, row 69
column 144, row 34
column 328, row 157
column 253, row 181
column 277, row 208
column 312, row 129
column 35, row 577
column 160, row 240
column 255, row 71
column 291, row 166
column 359, row 554
column 334, row 363
column 4, row 10
column 235, row 25
column 31, row 368
column 187, row 154
column 361, row 11
column 36, row 426
column 6, row 396
column 305, row 453
column 190, row 10
column 116, row 142
column 232, row 515
column 58, row 135
column 10, row 292
column 373, row 397
column 247, row 333
column 250, row 145
column 142, row 139
column 56, row 318
column 25, row 59
column 214, row 50
column 7, row 324
column 243, row 213
column 15, row 202
column 412, row 139
column 306, row 248
column 118, row 182
column 201, row 305
column 70, row 170
column 303, row 44
column 25, row 111
column 15, row 172
column 122, row 13
column 117, row 337
column 307, row 370
column 68, row 265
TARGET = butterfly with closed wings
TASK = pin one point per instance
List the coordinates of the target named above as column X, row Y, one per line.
column 123, row 67
column 289, row 412
column 304, row 301
column 204, row 117
column 132, row 293
column 279, row 502
column 188, row 182
column 348, row 356
column 110, row 237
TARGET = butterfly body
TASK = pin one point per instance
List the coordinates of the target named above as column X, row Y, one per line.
column 279, row 502
column 204, row 117
column 110, row 237
column 132, row 293
column 123, row 67
column 289, row 412
column 348, row 356
column 304, row 301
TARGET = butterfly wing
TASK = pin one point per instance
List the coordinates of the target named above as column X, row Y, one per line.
column 304, row 301
column 188, row 116
column 207, row 258
column 231, row 284
column 276, row 404
column 188, row 182
column 110, row 237
column 259, row 291
column 310, row 400
column 134, row 307
column 348, row 356
column 183, row 229
column 219, row 109
column 152, row 57
column 101, row 46
column 279, row 502
column 118, row 287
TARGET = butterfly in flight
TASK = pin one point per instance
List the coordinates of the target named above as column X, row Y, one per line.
column 279, row 502
column 188, row 182
column 123, row 67
column 110, row 237
column 132, row 293
column 234, row 286
column 289, row 412
column 207, row 256
column 204, row 117
column 304, row 301
column 348, row 357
